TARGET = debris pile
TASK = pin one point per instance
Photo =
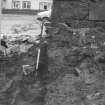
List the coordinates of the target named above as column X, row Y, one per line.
column 76, row 56
column 19, row 80
column 76, row 65
column 76, row 70
column 17, row 44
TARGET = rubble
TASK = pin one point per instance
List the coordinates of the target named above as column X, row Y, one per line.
column 76, row 66
column 20, row 82
column 75, row 10
column 19, row 44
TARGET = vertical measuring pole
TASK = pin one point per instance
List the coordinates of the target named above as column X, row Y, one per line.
column 38, row 56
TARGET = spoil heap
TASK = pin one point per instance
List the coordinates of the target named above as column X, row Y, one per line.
column 76, row 59
column 77, row 68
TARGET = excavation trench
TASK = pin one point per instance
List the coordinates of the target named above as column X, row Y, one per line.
column 19, row 89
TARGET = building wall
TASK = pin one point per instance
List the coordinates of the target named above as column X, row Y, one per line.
column 34, row 4
column 8, row 4
column 44, row 3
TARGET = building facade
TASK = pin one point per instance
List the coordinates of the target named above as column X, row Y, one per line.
column 27, row 4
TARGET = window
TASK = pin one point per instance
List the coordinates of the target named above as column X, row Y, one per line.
column 16, row 4
column 44, row 5
column 26, row 5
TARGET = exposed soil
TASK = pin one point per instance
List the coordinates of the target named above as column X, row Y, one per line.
column 76, row 57
column 76, row 69
column 15, row 87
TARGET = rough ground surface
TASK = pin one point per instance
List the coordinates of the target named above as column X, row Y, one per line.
column 76, row 64
column 76, row 57
column 16, row 89
column 20, row 24
column 79, row 69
